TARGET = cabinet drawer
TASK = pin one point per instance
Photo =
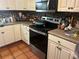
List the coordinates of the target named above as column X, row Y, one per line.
column 62, row 42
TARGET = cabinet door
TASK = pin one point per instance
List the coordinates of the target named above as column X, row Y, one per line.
column 77, row 6
column 25, row 33
column 1, row 39
column 53, row 51
column 31, row 5
column 8, row 35
column 20, row 4
column 66, row 5
column 62, row 5
column 3, row 4
column 17, row 32
column 70, row 5
column 11, row 4
column 65, row 54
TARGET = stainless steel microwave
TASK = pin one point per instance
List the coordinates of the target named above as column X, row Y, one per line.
column 46, row 5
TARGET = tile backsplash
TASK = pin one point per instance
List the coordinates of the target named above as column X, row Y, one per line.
column 30, row 14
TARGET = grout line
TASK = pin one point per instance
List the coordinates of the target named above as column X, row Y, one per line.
column 1, row 56
column 12, row 54
column 23, row 52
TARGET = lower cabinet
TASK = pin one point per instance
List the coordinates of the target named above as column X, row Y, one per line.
column 1, row 39
column 56, row 50
column 25, row 33
column 6, row 35
column 17, row 32
column 14, row 33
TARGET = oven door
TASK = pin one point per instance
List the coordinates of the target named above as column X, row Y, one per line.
column 38, row 39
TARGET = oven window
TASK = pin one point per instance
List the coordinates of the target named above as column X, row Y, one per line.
column 39, row 41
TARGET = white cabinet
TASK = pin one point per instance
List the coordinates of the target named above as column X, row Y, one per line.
column 1, row 39
column 25, row 5
column 3, row 5
column 62, row 5
column 11, row 4
column 17, row 32
column 65, row 53
column 68, row 5
column 6, row 35
column 59, row 49
column 7, row 4
column 52, row 49
column 17, row 5
column 25, row 33
column 31, row 5
column 21, row 4
column 77, row 6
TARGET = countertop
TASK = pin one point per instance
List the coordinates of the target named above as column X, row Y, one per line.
column 61, row 34
column 27, row 23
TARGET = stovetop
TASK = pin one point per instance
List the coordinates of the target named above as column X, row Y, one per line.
column 43, row 28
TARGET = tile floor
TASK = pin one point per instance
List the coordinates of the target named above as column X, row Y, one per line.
column 18, row 50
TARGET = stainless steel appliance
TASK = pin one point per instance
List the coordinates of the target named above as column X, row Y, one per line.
column 46, row 5
column 39, row 35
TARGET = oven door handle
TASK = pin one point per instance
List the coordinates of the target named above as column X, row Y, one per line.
column 39, row 32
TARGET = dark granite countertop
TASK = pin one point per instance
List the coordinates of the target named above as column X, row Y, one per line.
column 61, row 34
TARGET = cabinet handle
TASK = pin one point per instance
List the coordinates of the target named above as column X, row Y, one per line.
column 24, row 8
column 69, row 8
column 2, row 32
column 72, row 8
column 7, row 8
column 59, row 48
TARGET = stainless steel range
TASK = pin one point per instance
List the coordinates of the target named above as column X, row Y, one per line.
column 39, row 34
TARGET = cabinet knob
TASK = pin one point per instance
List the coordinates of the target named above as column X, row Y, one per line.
column 59, row 42
column 59, row 48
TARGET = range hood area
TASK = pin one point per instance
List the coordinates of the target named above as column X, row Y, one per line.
column 46, row 5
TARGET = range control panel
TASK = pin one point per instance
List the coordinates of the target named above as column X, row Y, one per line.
column 52, row 20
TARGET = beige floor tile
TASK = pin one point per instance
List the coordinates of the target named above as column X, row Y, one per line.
column 18, row 50
column 5, row 53
column 22, row 45
column 8, row 57
column 15, row 51
column 0, row 57
column 29, row 54
column 3, row 49
column 34, row 57
column 22, row 56
column 26, row 49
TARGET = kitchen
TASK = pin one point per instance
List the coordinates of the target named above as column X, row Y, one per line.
column 39, row 29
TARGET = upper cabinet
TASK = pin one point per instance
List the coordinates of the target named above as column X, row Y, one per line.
column 17, row 5
column 3, row 5
column 7, row 4
column 25, row 5
column 77, row 5
column 62, row 5
column 68, row 5
column 21, row 4
column 31, row 5
column 11, row 4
